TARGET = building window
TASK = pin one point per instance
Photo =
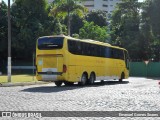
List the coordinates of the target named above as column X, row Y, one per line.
column 105, row 5
column 89, row 0
column 89, row 5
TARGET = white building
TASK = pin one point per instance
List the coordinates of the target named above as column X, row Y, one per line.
column 49, row 1
column 106, row 5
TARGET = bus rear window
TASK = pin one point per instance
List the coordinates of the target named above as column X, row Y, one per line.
column 48, row 43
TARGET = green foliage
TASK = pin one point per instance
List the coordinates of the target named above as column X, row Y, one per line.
column 95, row 32
column 150, row 27
column 155, row 17
column 125, row 23
column 76, row 23
column 63, row 8
column 99, row 17
column 133, row 25
column 145, row 27
column 30, row 20
column 59, row 28
column 3, row 30
column 75, row 35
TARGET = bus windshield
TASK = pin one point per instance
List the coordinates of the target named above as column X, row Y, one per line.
column 47, row 43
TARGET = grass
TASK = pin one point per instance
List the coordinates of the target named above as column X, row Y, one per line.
column 17, row 78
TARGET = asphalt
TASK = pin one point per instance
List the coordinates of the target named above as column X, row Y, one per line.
column 21, row 84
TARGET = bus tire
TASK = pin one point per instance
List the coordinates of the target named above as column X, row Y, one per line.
column 92, row 78
column 122, row 77
column 102, row 81
column 68, row 83
column 83, row 79
column 58, row 83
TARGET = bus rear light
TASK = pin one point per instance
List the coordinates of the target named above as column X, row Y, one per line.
column 64, row 68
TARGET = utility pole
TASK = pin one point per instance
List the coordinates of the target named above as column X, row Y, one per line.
column 0, row 7
column 9, row 43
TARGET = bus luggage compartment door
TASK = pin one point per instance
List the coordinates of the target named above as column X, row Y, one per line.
column 50, row 66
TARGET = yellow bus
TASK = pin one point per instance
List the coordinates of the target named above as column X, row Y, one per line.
column 63, row 59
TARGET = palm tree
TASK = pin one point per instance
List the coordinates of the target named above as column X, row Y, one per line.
column 66, row 8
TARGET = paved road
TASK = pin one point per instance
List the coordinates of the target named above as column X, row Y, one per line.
column 133, row 94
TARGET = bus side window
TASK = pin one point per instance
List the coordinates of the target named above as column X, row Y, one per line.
column 92, row 50
column 79, row 49
column 121, row 54
column 107, row 52
column 88, row 51
column 116, row 53
column 112, row 53
column 102, row 51
column 85, row 49
column 99, row 51
column 72, row 47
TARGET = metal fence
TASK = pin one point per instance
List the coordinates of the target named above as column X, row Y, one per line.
column 138, row 69
column 18, row 67
column 141, row 69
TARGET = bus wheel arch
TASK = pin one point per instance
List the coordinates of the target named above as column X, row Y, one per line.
column 84, row 79
column 58, row 83
column 68, row 83
column 92, row 78
column 122, row 77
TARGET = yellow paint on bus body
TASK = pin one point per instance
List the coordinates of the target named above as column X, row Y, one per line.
column 60, row 64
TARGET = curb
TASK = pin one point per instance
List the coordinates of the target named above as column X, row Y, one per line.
column 22, row 84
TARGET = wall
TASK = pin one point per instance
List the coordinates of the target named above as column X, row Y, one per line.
column 140, row 69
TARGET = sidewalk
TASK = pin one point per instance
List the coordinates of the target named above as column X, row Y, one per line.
column 22, row 84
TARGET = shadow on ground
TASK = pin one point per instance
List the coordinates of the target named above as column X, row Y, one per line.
column 50, row 89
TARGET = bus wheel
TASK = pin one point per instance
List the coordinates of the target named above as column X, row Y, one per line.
column 68, row 83
column 58, row 83
column 91, row 79
column 122, row 77
column 102, row 81
column 83, row 79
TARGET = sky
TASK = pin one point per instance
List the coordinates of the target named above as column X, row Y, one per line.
column 12, row 2
column 6, row 1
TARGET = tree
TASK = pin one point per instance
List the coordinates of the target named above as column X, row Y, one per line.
column 99, row 17
column 92, row 31
column 29, row 21
column 125, row 22
column 77, row 23
column 150, row 27
column 66, row 8
column 155, row 18
column 145, row 28
column 3, row 30
column 155, row 23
